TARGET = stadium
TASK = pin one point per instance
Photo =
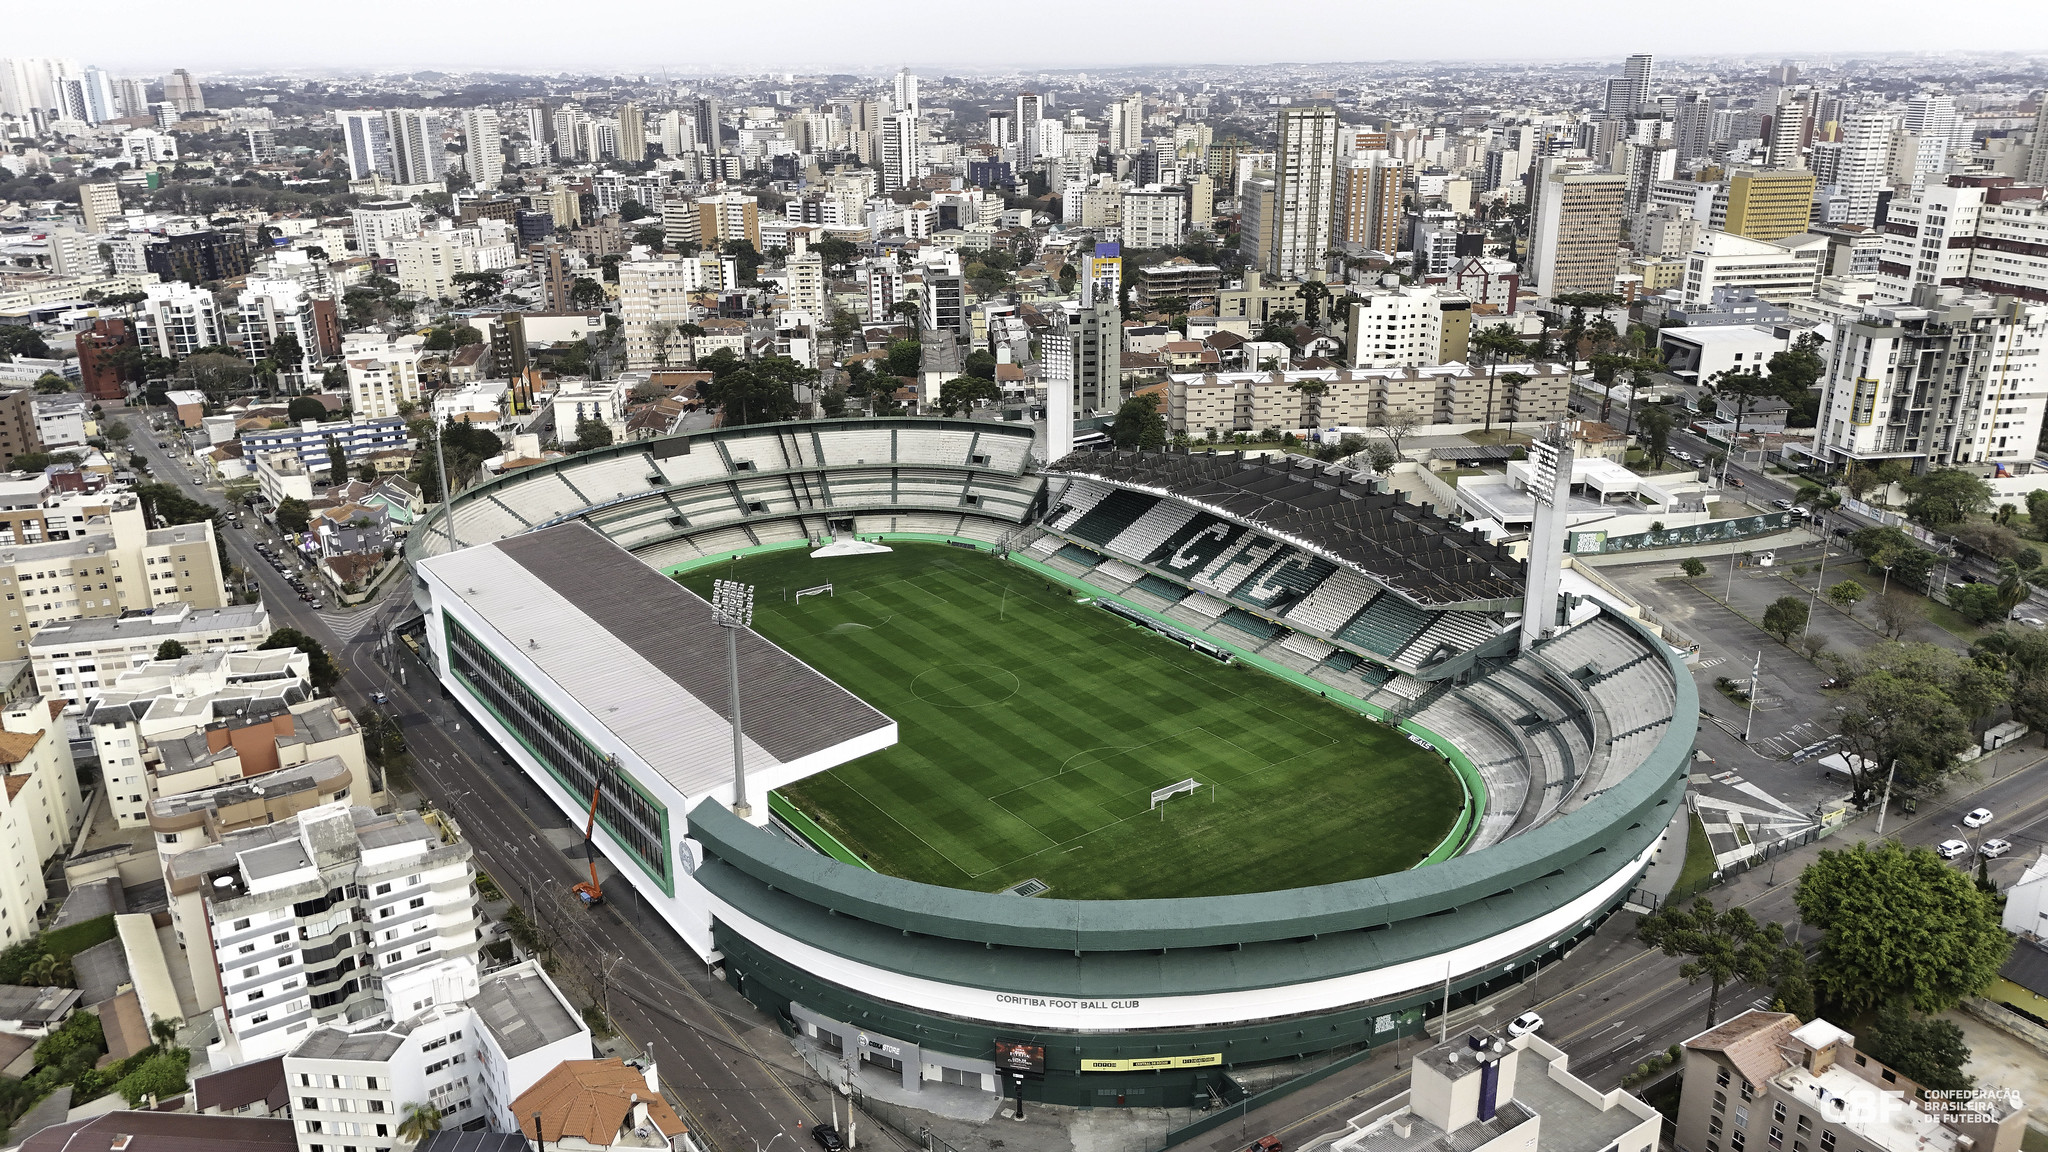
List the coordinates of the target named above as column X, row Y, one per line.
column 1151, row 765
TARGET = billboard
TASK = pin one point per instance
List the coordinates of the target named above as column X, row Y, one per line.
column 1020, row 1058
column 1148, row 1063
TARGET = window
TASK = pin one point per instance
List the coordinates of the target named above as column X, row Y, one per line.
column 1777, row 1138
column 1736, row 1141
column 1720, row 1101
column 1748, row 1090
column 417, row 902
column 1778, row 1113
column 372, row 1083
column 1713, row 1125
column 281, row 938
column 1827, row 1142
column 1741, row 1117
column 241, row 924
column 251, row 972
column 384, row 889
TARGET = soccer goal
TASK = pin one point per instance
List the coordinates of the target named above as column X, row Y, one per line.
column 822, row 589
column 1162, row 795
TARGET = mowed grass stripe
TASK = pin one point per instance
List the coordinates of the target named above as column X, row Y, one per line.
column 1054, row 781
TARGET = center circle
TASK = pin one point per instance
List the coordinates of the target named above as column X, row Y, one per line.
column 965, row 685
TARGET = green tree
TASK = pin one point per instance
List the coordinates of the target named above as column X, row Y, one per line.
column 1911, row 704
column 980, row 364
column 159, row 1077
column 1496, row 343
column 1846, row 595
column 164, row 506
column 761, row 392
column 1139, row 423
column 1794, row 990
column 1721, row 946
column 1929, row 1052
column 906, row 358
column 1786, row 615
column 319, row 665
column 2037, row 512
column 418, row 1121
column 1899, row 924
column 21, row 340
column 337, row 462
column 1946, row 496
column 170, row 650
column 293, row 514
column 964, row 392
column 479, row 288
column 2013, row 586
column 591, row 434
column 1977, row 603
column 586, row 293
column 1068, row 277
column 1693, row 568
column 305, row 408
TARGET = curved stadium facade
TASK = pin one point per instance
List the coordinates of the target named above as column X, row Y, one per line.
column 552, row 620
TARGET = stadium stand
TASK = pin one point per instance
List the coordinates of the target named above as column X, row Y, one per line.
column 1114, row 513
column 1333, row 604
column 1149, row 531
column 1385, row 626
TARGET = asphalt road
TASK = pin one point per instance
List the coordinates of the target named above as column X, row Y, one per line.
column 701, row 1035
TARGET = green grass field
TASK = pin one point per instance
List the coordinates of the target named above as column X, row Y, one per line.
column 1033, row 729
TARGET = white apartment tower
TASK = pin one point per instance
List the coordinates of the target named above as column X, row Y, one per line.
column 906, row 92
column 1854, row 169
column 1030, row 110
column 271, row 308
column 178, row 319
column 418, row 156
column 1949, row 377
column 484, row 140
column 1304, row 193
column 1127, row 124
column 902, row 163
column 1985, row 233
column 366, row 138
column 337, row 916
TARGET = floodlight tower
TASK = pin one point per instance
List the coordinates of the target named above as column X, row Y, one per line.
column 1550, row 482
column 732, row 605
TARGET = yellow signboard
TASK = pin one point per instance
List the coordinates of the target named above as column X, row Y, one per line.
column 1151, row 1063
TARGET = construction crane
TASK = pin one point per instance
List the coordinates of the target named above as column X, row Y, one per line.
column 591, row 894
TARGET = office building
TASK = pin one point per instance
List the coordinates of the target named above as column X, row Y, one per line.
column 349, row 1084
column 418, row 155
column 1637, row 79
column 335, row 916
column 1576, row 232
column 902, row 163
column 1774, row 270
column 100, row 204
column 945, row 293
column 176, row 319
column 1949, row 377
column 708, row 125
column 182, row 93
column 1769, row 204
column 1933, row 117
column 484, row 147
column 1984, row 233
column 1765, row 1080
column 366, row 141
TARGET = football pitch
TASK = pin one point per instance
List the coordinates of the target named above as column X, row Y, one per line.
column 1034, row 728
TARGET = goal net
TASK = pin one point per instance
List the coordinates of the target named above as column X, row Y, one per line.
column 822, row 589
column 1162, row 795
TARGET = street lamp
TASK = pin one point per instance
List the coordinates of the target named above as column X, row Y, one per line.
column 732, row 606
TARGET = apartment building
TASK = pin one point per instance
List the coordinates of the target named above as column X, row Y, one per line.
column 1367, row 211
column 40, row 811
column 1982, row 233
column 1766, row 1080
column 1954, row 377
column 338, row 916
column 1774, row 270
column 113, row 565
column 75, row 659
column 174, row 320
column 468, row 1060
column 377, row 223
column 358, row 439
column 1220, row 404
column 276, row 307
column 1395, row 328
column 1154, row 217
column 727, row 217
column 382, row 376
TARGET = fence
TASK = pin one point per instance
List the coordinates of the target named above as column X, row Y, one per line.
column 1765, row 854
column 1598, row 543
column 1257, row 1100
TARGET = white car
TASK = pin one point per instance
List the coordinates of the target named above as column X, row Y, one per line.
column 1524, row 1024
column 1950, row 849
column 1977, row 818
column 1993, row 849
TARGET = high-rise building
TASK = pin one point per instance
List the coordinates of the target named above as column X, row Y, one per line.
column 1774, row 270
column 1127, row 123
column 1855, row 167
column 1154, row 217
column 1030, row 111
column 708, row 124
column 1258, row 217
column 2037, row 164
column 1002, row 130
column 100, row 204
column 1367, row 214
column 901, row 162
column 272, row 308
column 1933, row 115
column 417, row 153
column 1577, row 228
column 383, row 378
column 1791, row 129
column 1304, row 192
column 906, row 92
column 632, row 133
column 1985, row 233
column 366, row 139
column 99, row 377
column 807, row 285
column 1949, row 376
column 1692, row 126
column 182, row 92
column 557, row 280
column 484, row 147
column 1769, row 204
column 376, row 223
column 197, row 257
column 1638, row 73
column 177, row 319
column 727, row 217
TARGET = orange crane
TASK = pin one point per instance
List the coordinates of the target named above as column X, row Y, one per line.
column 591, row 894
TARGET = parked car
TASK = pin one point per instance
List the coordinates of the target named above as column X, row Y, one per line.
column 1524, row 1024
column 1977, row 818
column 1993, row 848
column 1950, row 849
column 1781, row 504
column 827, row 1137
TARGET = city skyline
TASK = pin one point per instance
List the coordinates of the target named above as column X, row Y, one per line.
column 813, row 38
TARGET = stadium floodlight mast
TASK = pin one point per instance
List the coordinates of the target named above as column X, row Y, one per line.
column 732, row 605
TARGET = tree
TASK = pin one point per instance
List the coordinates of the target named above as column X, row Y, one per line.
column 2037, row 512
column 1897, row 610
column 1911, row 704
column 745, row 258
column 1139, row 423
column 1899, row 924
column 631, row 210
column 979, row 363
column 1786, row 615
column 1693, row 568
column 164, row 506
column 1977, row 603
column 337, row 462
column 1313, row 293
column 419, row 1121
column 293, row 514
column 761, row 392
column 1068, row 277
column 2013, row 586
column 964, row 392
column 218, row 374
column 1495, row 343
column 650, row 236
column 159, row 1077
column 21, row 340
column 1946, row 496
column 1931, row 1053
column 170, row 650
column 586, row 293
column 591, row 434
column 319, row 665
column 1656, row 424
column 117, row 431
column 305, row 408
column 479, row 287
column 1397, row 425
column 1722, row 946
column 905, row 358
column 1846, row 595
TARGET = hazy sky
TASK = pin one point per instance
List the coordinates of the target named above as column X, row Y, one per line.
column 694, row 37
